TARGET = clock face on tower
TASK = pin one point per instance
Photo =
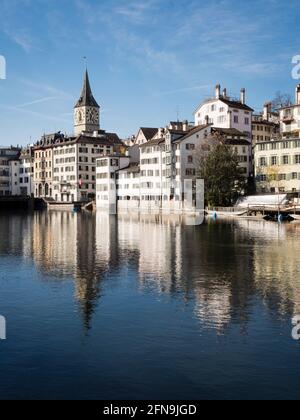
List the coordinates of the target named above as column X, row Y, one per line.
column 92, row 116
column 86, row 118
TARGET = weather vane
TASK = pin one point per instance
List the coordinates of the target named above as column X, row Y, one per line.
column 85, row 61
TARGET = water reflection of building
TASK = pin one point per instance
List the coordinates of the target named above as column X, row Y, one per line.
column 216, row 269
column 182, row 261
column 64, row 247
column 276, row 271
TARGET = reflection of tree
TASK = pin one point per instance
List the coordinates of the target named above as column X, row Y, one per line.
column 217, row 268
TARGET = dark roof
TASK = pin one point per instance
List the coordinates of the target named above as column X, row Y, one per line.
column 104, row 138
column 154, row 142
column 132, row 168
column 149, row 132
column 193, row 131
column 86, row 97
column 174, row 131
column 230, row 102
column 58, row 139
column 229, row 131
column 236, row 104
column 238, row 142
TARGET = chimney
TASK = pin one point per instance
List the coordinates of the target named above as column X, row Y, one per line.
column 267, row 111
column 218, row 91
column 225, row 93
column 243, row 96
column 298, row 95
column 185, row 125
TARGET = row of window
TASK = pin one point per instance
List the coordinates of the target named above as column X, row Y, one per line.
column 262, row 128
column 153, row 161
column 214, row 108
column 82, row 187
column 283, row 160
column 43, row 165
column 65, row 160
column 64, row 151
column 68, row 178
column 278, row 177
column 24, row 180
column 39, row 175
column 26, row 170
column 261, row 138
column 156, row 198
column 101, row 163
column 279, row 145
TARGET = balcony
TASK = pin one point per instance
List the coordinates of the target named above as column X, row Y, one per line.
column 287, row 119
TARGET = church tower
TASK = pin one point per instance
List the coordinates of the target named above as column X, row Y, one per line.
column 86, row 111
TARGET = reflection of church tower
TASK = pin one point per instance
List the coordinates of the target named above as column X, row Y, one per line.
column 86, row 111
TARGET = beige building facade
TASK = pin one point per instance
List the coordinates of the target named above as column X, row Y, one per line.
column 277, row 166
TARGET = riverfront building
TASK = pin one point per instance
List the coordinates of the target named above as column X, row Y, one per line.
column 277, row 166
column 290, row 117
column 225, row 112
column 65, row 166
column 277, row 161
column 26, row 169
column 156, row 181
column 9, row 170
column 265, row 126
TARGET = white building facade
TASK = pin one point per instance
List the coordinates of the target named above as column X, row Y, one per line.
column 225, row 112
column 26, row 171
column 290, row 117
column 74, row 165
column 157, row 182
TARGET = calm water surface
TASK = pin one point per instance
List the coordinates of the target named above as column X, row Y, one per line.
column 106, row 308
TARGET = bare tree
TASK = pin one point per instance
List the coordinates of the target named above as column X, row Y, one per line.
column 280, row 100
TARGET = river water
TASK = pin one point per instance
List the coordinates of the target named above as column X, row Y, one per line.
column 99, row 307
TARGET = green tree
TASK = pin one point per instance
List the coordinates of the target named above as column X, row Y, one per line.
column 224, row 182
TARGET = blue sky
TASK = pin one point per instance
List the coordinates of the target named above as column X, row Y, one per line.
column 147, row 59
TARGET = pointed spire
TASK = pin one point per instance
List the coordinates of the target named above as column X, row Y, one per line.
column 86, row 97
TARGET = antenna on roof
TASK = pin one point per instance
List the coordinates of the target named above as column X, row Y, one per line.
column 177, row 113
column 85, row 62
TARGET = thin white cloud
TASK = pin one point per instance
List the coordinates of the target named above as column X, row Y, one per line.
column 34, row 113
column 21, row 38
column 37, row 101
column 44, row 87
column 135, row 11
column 183, row 90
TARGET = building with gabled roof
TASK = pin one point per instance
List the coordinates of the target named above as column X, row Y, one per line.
column 144, row 135
column 65, row 166
column 225, row 112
